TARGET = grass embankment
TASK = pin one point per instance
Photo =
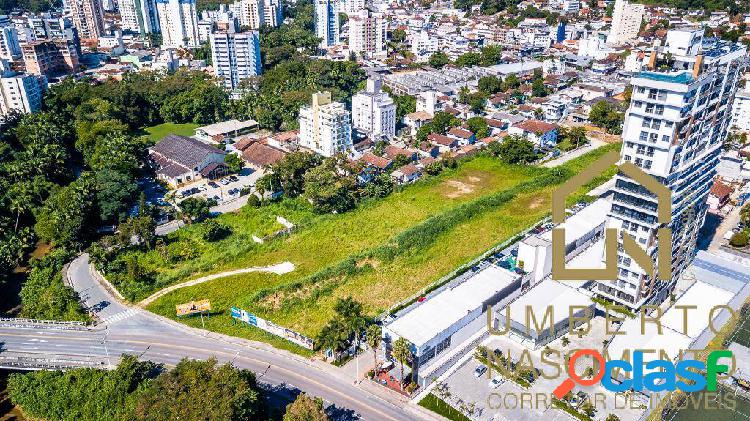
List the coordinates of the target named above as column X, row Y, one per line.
column 156, row 133
column 437, row 405
column 379, row 253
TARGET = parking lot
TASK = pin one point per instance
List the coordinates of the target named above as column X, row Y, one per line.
column 222, row 190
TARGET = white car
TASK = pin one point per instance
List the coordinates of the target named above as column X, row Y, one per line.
column 496, row 381
column 481, row 368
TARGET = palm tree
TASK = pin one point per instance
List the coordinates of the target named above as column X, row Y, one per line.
column 374, row 338
column 333, row 336
column 402, row 353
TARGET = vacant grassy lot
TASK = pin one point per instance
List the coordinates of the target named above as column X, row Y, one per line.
column 380, row 253
column 437, row 405
column 156, row 133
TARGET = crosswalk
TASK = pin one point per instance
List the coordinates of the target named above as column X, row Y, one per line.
column 119, row 316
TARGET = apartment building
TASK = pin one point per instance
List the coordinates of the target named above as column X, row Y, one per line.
column 50, row 58
column 626, row 22
column 327, row 22
column 374, row 112
column 273, row 13
column 139, row 16
column 235, row 56
column 251, row 13
column 324, row 126
column 741, row 111
column 21, row 92
column 367, row 33
column 88, row 18
column 178, row 22
column 673, row 131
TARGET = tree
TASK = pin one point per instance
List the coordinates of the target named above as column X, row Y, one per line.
column 538, row 89
column 517, row 150
column 195, row 208
column 45, row 296
column 289, row 172
column 490, row 85
column 305, row 408
column 740, row 239
column 606, row 116
column 141, row 229
column 491, row 55
column 402, row 353
column 234, row 162
column 511, row 82
column 66, row 217
column 374, row 337
column 380, row 186
column 439, row 59
column 212, row 230
column 469, row 59
column 398, row 35
column 478, row 125
column 328, row 189
column 114, row 194
column 612, row 417
column 333, row 336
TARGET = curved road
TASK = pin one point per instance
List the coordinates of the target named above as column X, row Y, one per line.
column 130, row 330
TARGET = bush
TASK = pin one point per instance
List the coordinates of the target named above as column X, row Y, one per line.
column 253, row 201
column 740, row 239
column 213, row 230
column 180, row 251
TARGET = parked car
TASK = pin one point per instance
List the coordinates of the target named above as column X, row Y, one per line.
column 213, row 184
column 481, row 369
column 224, row 181
column 233, row 178
column 496, row 381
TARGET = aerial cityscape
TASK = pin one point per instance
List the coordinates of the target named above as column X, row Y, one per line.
column 375, row 210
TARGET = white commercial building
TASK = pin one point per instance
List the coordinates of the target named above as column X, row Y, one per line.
column 374, row 112
column 626, row 22
column 741, row 111
column 367, row 33
column 178, row 21
column 22, row 93
column 139, row 16
column 325, row 127
column 327, row 22
column 673, row 131
column 235, row 56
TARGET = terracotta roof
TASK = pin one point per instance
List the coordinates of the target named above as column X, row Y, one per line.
column 262, row 155
column 720, row 189
column 420, row 116
column 494, row 123
column 286, row 136
column 376, row 161
column 408, row 169
column 243, row 142
column 459, row 132
column 535, row 126
column 441, row 139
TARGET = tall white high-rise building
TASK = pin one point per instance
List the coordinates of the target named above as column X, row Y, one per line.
column 235, row 56
column 324, row 127
column 21, row 92
column 251, row 13
column 327, row 22
column 139, row 16
column 673, row 131
column 374, row 112
column 626, row 22
column 88, row 18
column 741, row 111
column 367, row 33
column 352, row 6
column 273, row 13
column 178, row 22
column 10, row 48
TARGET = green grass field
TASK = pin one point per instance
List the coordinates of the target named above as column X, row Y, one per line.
column 359, row 253
column 156, row 133
column 723, row 405
column 438, row 406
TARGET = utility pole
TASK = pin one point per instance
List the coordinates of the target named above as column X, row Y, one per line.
column 104, row 342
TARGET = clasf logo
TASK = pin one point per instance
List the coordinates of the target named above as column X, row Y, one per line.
column 663, row 375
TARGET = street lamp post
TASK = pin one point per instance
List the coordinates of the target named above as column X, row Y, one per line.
column 104, row 342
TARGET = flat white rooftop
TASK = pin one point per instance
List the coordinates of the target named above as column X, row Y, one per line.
column 440, row 312
column 226, row 127
column 583, row 222
column 548, row 293
column 701, row 295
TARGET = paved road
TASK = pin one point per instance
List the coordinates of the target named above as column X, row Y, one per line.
column 130, row 330
column 593, row 144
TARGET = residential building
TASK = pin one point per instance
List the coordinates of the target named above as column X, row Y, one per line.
column 674, row 131
column 21, row 92
column 251, row 13
column 273, row 13
column 367, row 33
column 324, row 126
column 235, row 56
column 50, row 58
column 139, row 16
column 225, row 131
column 741, row 111
column 327, row 22
column 10, row 48
column 540, row 133
column 178, row 22
column 374, row 112
column 180, row 159
column 88, row 18
column 626, row 22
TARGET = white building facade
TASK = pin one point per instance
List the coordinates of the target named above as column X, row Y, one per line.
column 178, row 21
column 327, row 22
column 741, row 111
column 10, row 48
column 374, row 112
column 325, row 127
column 235, row 56
column 626, row 22
column 673, row 131
column 251, row 13
column 22, row 93
column 367, row 34
column 88, row 18
column 139, row 16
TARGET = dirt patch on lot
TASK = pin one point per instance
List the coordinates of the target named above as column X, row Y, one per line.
column 539, row 201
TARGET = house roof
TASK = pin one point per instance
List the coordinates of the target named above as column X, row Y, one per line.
column 720, row 189
column 408, row 170
column 420, row 116
column 376, row 161
column 441, row 139
column 182, row 150
column 494, row 123
column 459, row 132
column 535, row 126
column 393, row 151
column 262, row 155
column 243, row 142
